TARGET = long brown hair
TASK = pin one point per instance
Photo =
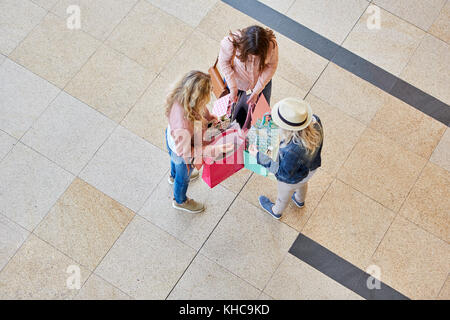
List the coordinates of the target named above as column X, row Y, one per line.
column 253, row 40
column 193, row 93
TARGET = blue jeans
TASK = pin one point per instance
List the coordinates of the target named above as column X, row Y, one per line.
column 181, row 173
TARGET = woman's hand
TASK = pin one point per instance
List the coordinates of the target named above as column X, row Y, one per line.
column 253, row 99
column 253, row 150
column 233, row 95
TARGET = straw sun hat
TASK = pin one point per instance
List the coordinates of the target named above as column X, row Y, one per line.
column 292, row 114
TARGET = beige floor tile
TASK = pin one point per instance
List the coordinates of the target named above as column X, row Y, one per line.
column 98, row 18
column 418, row 12
column 381, row 169
column 46, row 4
column 30, row 186
column 341, row 133
column 191, row 12
column 149, row 36
column 297, row 64
column 38, row 271
column 126, row 168
column 222, row 19
column 428, row 204
column 390, row 47
column 441, row 27
column 282, row 88
column 292, row 215
column 236, row 182
column 249, row 243
column 278, row 5
column 110, row 82
column 409, row 127
column 349, row 224
column 23, row 97
column 192, row 229
column 296, row 280
column 148, row 117
column 69, row 133
column 349, row 93
column 17, row 19
column 428, row 68
column 11, row 238
column 332, row 19
column 206, row 280
column 2, row 58
column 412, row 260
column 145, row 262
column 55, row 52
column 441, row 155
column 96, row 288
column 264, row 296
column 84, row 224
column 6, row 144
column 445, row 291
column 199, row 52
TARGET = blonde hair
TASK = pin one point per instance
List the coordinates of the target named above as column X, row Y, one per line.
column 311, row 137
column 193, row 93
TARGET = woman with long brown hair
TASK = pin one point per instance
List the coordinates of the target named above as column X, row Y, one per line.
column 248, row 59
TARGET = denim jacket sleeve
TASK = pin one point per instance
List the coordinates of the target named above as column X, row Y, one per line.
column 267, row 162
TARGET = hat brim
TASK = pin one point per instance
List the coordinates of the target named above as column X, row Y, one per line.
column 280, row 123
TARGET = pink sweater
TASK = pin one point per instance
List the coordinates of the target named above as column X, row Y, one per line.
column 246, row 76
column 182, row 131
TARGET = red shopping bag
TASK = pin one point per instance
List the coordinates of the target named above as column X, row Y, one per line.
column 217, row 170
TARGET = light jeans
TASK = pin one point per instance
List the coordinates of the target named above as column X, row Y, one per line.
column 286, row 190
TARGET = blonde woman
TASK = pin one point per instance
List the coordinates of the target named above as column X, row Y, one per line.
column 186, row 110
column 298, row 157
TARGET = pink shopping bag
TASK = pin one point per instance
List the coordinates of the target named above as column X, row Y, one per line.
column 217, row 170
column 221, row 105
column 262, row 107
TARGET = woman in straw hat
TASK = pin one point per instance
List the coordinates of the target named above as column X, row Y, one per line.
column 299, row 153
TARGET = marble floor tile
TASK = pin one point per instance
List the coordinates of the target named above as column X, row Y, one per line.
column 12, row 236
column 351, row 94
column 40, row 272
column 413, row 261
column 279, row 5
column 441, row 155
column 69, row 133
column 441, row 26
column 381, row 169
column 332, row 19
column 98, row 18
column 409, row 127
column 110, row 82
column 281, row 88
column 46, row 4
column 222, row 19
column 17, row 19
column 428, row 203
column 30, row 186
column 6, row 144
column 192, row 229
column 96, row 288
column 418, row 12
column 428, row 68
column 23, row 97
column 206, row 280
column 445, row 291
column 292, row 215
column 84, row 224
column 296, row 280
column 191, row 12
column 341, row 133
column 349, row 224
column 149, row 36
column 236, row 182
column 145, row 262
column 126, row 168
column 389, row 47
column 55, row 52
column 249, row 243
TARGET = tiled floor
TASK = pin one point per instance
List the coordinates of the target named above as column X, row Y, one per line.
column 83, row 165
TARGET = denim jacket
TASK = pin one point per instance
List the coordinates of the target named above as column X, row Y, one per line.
column 294, row 162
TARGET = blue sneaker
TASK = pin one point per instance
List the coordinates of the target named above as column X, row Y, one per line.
column 267, row 205
column 299, row 204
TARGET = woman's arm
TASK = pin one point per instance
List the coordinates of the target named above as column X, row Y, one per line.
column 226, row 56
column 267, row 162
